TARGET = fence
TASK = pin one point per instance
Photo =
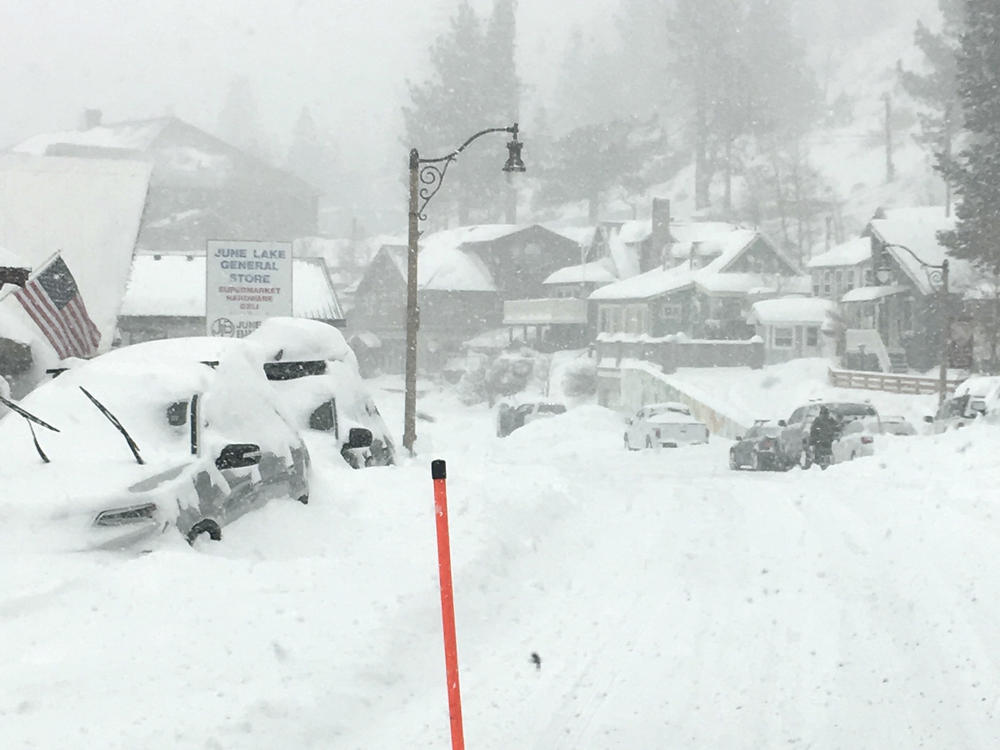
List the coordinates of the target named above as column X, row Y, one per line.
column 891, row 382
column 671, row 353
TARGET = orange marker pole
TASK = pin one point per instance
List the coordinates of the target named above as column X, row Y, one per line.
column 438, row 474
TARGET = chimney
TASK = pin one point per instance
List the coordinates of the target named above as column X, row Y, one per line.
column 660, row 237
column 91, row 118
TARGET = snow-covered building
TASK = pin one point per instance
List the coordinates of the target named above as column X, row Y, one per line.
column 464, row 276
column 842, row 268
column 703, row 287
column 794, row 327
column 201, row 188
column 907, row 309
column 166, row 297
column 89, row 210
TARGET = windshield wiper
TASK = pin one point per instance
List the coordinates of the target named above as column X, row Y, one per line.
column 114, row 420
column 29, row 418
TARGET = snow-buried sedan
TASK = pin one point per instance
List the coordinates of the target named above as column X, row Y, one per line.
column 138, row 441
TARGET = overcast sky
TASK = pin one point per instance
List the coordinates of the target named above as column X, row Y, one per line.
column 346, row 59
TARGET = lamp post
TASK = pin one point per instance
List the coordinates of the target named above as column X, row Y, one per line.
column 426, row 176
column 937, row 275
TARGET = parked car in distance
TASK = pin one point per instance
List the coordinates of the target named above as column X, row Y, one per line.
column 897, row 425
column 758, row 450
column 512, row 416
column 973, row 398
column 130, row 444
column 667, row 425
column 794, row 441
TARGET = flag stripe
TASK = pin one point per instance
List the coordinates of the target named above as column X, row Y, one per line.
column 41, row 317
column 52, row 300
column 48, row 311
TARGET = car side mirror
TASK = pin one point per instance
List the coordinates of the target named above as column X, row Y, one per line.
column 238, row 455
column 782, row 423
column 359, row 437
column 928, row 419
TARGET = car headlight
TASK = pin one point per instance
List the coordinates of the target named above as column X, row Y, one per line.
column 125, row 516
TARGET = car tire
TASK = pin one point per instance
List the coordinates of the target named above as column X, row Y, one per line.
column 205, row 526
column 304, row 499
column 732, row 462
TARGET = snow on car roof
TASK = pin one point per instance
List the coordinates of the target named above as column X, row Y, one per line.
column 299, row 339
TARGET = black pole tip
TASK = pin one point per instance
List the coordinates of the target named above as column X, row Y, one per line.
column 437, row 469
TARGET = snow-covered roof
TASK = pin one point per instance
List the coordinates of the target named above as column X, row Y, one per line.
column 476, row 233
column 175, row 285
column 89, row 210
column 850, row 253
column 712, row 277
column 869, row 293
column 583, row 236
column 128, row 136
column 917, row 228
column 595, row 272
column 443, row 265
column 792, row 310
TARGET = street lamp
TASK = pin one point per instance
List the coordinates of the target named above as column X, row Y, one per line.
column 426, row 176
column 937, row 276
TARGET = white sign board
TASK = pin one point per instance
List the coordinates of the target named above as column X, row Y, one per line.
column 246, row 283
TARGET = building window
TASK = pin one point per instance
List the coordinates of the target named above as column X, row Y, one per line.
column 635, row 320
column 617, row 318
column 605, row 324
column 782, row 337
column 812, row 336
column 869, row 277
column 815, row 289
column 838, row 281
column 826, row 282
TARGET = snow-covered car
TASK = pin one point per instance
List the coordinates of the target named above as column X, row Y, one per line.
column 758, row 449
column 316, row 376
column 511, row 416
column 854, row 440
column 794, row 441
column 123, row 447
column 973, row 399
column 897, row 425
column 666, row 425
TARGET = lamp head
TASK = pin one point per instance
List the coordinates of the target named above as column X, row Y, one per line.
column 514, row 163
column 883, row 275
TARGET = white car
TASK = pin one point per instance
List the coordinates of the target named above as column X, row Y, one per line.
column 854, row 440
column 136, row 442
column 666, row 425
column 897, row 425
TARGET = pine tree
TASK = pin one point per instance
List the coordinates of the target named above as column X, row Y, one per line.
column 473, row 86
column 937, row 89
column 975, row 170
column 311, row 156
column 239, row 123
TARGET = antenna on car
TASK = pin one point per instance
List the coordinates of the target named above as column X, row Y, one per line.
column 118, row 425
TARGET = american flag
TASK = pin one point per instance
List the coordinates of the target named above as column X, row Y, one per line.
column 52, row 299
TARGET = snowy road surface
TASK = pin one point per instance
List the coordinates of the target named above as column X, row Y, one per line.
column 673, row 603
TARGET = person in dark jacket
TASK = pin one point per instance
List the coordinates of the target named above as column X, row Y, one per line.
column 823, row 432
